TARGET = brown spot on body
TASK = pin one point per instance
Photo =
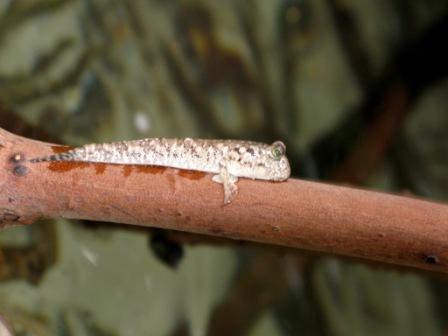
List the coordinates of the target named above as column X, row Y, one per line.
column 100, row 168
column 191, row 174
column 151, row 169
column 127, row 170
column 65, row 166
column 61, row 149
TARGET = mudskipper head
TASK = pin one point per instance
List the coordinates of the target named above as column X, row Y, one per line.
column 258, row 161
column 277, row 162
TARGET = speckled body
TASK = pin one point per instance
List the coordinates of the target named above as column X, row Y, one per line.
column 229, row 159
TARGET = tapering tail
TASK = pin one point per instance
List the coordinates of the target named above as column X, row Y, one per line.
column 65, row 156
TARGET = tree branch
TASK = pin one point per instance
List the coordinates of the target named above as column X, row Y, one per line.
column 299, row 214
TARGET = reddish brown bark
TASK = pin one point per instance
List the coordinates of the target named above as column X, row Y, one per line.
column 300, row 214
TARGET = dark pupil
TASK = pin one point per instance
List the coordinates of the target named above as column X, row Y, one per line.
column 277, row 152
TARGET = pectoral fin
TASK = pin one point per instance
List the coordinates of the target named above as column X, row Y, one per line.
column 229, row 184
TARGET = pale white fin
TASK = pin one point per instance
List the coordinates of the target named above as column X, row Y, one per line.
column 229, row 184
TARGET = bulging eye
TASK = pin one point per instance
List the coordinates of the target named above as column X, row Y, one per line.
column 278, row 150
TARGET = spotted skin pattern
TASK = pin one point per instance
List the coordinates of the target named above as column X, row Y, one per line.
column 228, row 159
